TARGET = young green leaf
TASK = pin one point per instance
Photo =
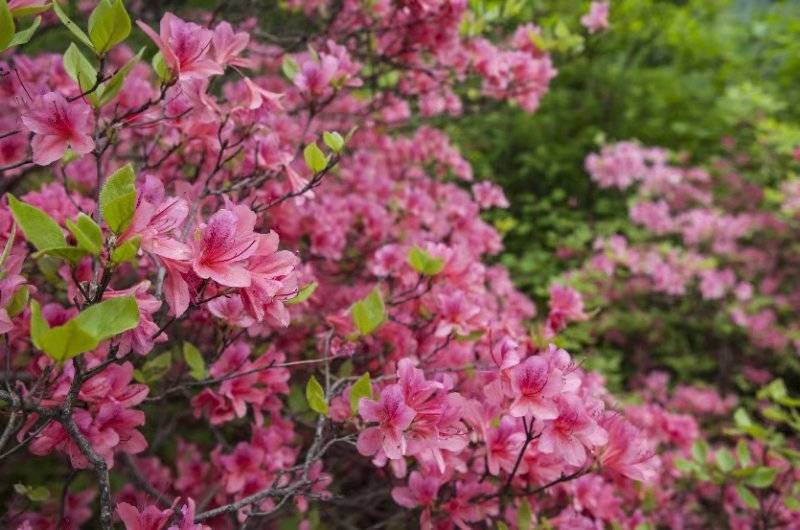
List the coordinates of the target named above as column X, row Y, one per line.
column 743, row 453
column 24, row 36
column 77, row 31
column 160, row 67
column 369, row 313
column 194, row 359
column 81, row 71
column 39, row 228
column 362, row 388
column 725, row 460
column 289, row 67
column 109, row 24
column 111, row 88
column 315, row 396
column 64, row 342
column 7, row 27
column 87, row 233
column 333, row 140
column 126, row 251
column 747, row 497
column 39, row 326
column 315, row 158
column 118, row 199
column 302, row 295
column 9, row 243
column 70, row 254
column 18, row 302
column 524, row 515
column 110, row 317
column 763, row 477
column 154, row 369
column 423, row 262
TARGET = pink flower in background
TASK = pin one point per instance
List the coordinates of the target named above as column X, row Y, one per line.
column 149, row 518
column 314, row 76
column 488, row 195
column 57, row 124
column 597, row 17
column 184, row 46
column 393, row 416
column 228, row 46
column 629, row 451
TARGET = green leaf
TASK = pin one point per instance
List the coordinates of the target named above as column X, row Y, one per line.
column 289, row 67
column 369, row 313
column 303, row 294
column 24, row 36
column 7, row 27
column 126, row 251
column 39, row 228
column 742, row 419
column 70, row 254
column 18, row 302
column 747, row 497
column 109, row 24
column 78, row 32
column 362, row 388
column 39, row 326
column 763, row 477
column 154, row 369
column 87, row 233
column 64, row 342
column 683, row 465
column 315, row 158
column 111, row 88
column 501, row 525
column 315, row 396
column 700, row 451
column 743, row 453
column 194, row 359
column 35, row 494
column 333, row 140
column 160, row 67
column 423, row 262
column 27, row 11
column 110, row 317
column 792, row 503
column 81, row 71
column 725, row 460
column 524, row 515
column 118, row 199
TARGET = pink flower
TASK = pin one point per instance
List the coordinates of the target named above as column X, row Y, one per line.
column 421, row 490
column 597, row 17
column 488, row 194
column 571, row 432
column 184, row 46
column 256, row 96
column 223, row 246
column 150, row 518
column 315, row 77
column 629, row 452
column 229, row 45
column 57, row 124
column 271, row 282
column 186, row 521
column 393, row 417
column 534, row 386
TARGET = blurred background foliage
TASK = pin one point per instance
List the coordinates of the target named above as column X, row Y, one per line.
column 682, row 74
column 677, row 74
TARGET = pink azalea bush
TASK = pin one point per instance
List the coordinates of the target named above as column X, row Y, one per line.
column 245, row 284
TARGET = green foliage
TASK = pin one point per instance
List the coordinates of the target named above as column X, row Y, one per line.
column 303, row 294
column 369, row 313
column 39, row 229
column 154, row 369
column 194, row 359
column 86, row 331
column 109, row 24
column 71, row 26
column 333, row 140
column 315, row 396
column 362, row 388
column 118, row 199
column 314, row 157
column 86, row 233
column 423, row 262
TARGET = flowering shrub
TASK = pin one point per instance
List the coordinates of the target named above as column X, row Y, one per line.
column 242, row 286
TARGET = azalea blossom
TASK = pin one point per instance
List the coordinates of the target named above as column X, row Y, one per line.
column 56, row 125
